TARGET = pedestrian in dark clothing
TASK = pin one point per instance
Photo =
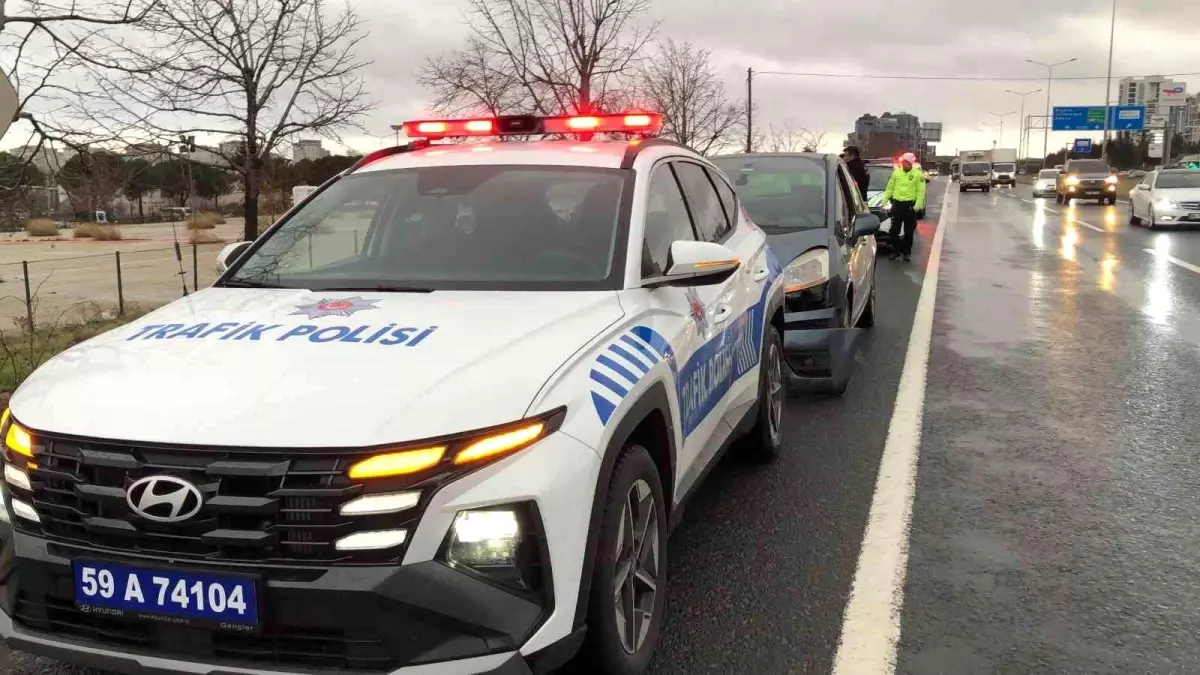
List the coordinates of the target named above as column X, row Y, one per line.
column 858, row 169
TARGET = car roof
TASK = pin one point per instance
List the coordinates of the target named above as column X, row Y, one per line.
column 598, row 154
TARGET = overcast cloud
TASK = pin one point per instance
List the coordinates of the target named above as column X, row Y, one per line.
column 918, row 37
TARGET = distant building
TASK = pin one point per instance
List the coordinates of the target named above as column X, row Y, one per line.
column 308, row 150
column 1147, row 91
column 47, row 160
column 888, row 135
column 1191, row 129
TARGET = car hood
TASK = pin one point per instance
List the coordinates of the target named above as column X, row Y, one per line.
column 788, row 245
column 293, row 368
column 1178, row 194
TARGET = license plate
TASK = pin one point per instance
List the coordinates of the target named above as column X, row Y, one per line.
column 184, row 598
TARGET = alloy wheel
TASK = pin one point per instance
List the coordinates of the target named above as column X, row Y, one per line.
column 774, row 393
column 635, row 586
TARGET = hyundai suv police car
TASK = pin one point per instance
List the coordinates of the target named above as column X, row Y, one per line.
column 438, row 419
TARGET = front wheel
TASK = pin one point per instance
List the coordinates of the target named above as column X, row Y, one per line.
column 1133, row 219
column 1150, row 219
column 629, row 580
column 1112, row 200
column 987, row 189
column 867, row 318
column 765, row 440
column 1058, row 198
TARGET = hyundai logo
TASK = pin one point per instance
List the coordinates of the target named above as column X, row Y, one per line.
column 164, row 499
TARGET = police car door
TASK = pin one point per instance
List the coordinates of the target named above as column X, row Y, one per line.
column 720, row 311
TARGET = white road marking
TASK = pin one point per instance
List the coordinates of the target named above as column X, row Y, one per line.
column 871, row 623
column 1091, row 226
column 1028, row 201
column 1173, row 260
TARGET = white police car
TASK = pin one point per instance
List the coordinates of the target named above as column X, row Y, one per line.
column 438, row 419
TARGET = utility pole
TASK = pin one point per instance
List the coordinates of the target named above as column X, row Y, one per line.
column 1001, row 117
column 1049, row 80
column 1112, row 33
column 749, row 110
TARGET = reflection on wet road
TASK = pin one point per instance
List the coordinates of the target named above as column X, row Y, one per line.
column 1055, row 518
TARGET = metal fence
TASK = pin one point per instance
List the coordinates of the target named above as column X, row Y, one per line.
column 51, row 291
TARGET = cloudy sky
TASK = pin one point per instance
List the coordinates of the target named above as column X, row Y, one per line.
column 855, row 37
column 940, row 38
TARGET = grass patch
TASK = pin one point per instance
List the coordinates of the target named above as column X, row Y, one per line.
column 199, row 237
column 41, row 227
column 22, row 352
column 97, row 232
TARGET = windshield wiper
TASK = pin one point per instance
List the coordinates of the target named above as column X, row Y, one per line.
column 381, row 288
column 242, row 283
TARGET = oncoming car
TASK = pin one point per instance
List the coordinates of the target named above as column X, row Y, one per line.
column 823, row 234
column 438, row 419
column 1044, row 184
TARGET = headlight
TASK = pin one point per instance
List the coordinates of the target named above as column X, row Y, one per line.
column 502, row 543
column 1112, row 180
column 1072, row 180
column 1165, row 203
column 808, row 270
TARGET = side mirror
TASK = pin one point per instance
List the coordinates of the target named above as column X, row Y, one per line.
column 864, row 224
column 230, row 254
column 696, row 263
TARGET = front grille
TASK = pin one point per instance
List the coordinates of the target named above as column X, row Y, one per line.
column 276, row 645
column 1091, row 183
column 1190, row 206
column 270, row 506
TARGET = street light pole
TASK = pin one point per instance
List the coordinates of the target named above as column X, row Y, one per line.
column 1022, row 141
column 1049, row 80
column 1001, row 117
column 1112, row 32
column 749, row 110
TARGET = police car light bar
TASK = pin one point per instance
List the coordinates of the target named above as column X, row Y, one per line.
column 524, row 125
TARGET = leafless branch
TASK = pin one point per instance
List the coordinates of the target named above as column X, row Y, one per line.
column 680, row 83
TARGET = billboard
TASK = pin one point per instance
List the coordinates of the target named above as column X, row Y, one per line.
column 1082, row 146
column 1171, row 94
column 1091, row 118
column 931, row 132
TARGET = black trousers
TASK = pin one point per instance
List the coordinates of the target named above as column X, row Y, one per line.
column 904, row 225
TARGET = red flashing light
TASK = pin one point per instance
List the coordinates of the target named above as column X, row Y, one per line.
column 642, row 123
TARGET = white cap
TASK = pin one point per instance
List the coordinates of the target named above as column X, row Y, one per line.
column 909, row 157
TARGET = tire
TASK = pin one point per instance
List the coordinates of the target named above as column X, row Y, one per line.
column 635, row 489
column 987, row 189
column 1101, row 202
column 867, row 318
column 765, row 440
column 962, row 188
column 1149, row 222
column 1058, row 198
column 1133, row 219
column 1112, row 200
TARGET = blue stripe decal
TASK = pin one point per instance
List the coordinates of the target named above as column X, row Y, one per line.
column 618, row 368
column 607, row 381
column 640, row 348
column 655, row 340
column 633, row 360
column 604, row 407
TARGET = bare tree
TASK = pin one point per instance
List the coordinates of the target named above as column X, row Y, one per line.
column 680, row 83
column 39, row 43
column 787, row 137
column 258, row 72
column 541, row 56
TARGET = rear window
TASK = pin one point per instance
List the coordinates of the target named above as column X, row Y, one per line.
column 1088, row 166
column 450, row 227
column 1178, row 180
column 1048, row 173
column 779, row 192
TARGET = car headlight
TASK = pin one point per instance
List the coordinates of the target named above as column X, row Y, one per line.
column 1111, row 180
column 808, row 270
column 504, row 544
column 1072, row 180
column 1164, row 203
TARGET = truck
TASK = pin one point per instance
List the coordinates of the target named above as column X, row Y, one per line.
column 1004, row 166
column 975, row 170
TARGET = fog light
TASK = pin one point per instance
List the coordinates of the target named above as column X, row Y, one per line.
column 385, row 503
column 24, row 510
column 16, row 477
column 485, row 538
column 368, row 541
column 1168, row 217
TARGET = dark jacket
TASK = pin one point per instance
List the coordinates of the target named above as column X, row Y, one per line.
column 858, row 171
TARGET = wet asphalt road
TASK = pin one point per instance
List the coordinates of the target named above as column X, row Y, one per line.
column 1055, row 519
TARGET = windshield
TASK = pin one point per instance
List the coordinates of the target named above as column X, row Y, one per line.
column 453, row 227
column 976, row 168
column 1178, row 180
column 879, row 177
column 1004, row 168
column 779, row 193
column 1048, row 173
column 1089, row 166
